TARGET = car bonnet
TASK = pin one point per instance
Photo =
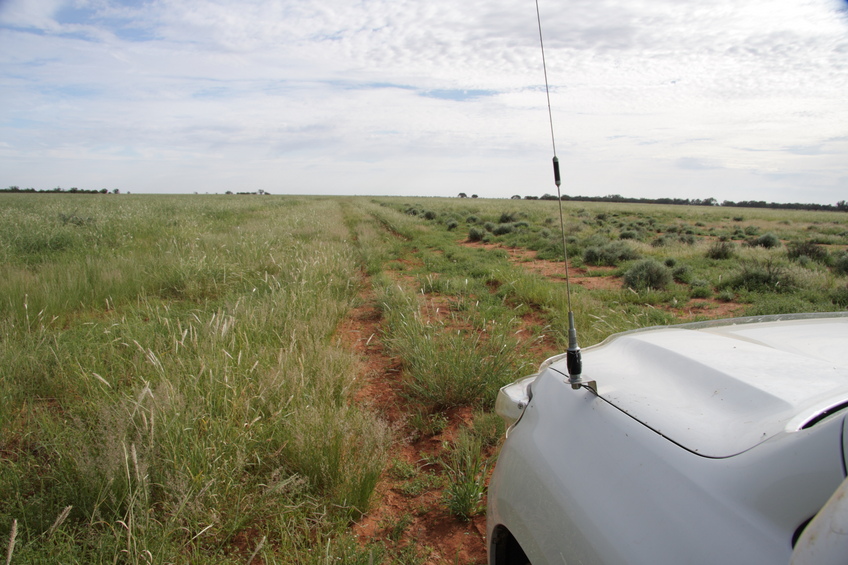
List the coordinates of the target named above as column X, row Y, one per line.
column 721, row 389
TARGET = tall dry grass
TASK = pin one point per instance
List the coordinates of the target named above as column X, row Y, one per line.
column 168, row 373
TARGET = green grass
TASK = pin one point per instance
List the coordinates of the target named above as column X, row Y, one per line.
column 173, row 392
column 465, row 466
column 178, row 386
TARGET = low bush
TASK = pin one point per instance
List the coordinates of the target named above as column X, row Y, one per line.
column 726, row 295
column 682, row 274
column 767, row 241
column 700, row 289
column 839, row 297
column 476, row 234
column 648, row 274
column 610, row 254
column 840, row 264
column 721, row 250
column 765, row 276
column 798, row 249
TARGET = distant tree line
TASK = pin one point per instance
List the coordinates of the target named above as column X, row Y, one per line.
column 73, row 190
column 841, row 206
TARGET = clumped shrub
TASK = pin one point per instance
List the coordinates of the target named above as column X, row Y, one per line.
column 472, row 220
column 839, row 297
column 700, row 289
column 752, row 230
column 682, row 274
column 768, row 241
column 648, row 274
column 726, row 295
column 764, row 276
column 670, row 262
column 610, row 254
column 476, row 234
column 507, row 218
column 503, row 229
column 451, row 224
column 490, row 226
column 429, row 215
column 721, row 250
column 627, row 234
column 687, row 238
column 840, row 264
column 798, row 249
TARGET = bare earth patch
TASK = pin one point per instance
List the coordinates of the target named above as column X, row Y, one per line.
column 400, row 516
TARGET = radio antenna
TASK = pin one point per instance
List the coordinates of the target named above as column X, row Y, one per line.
column 573, row 357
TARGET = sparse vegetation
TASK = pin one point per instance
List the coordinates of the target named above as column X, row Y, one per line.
column 171, row 369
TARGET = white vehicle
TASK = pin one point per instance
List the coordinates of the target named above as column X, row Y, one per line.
column 714, row 443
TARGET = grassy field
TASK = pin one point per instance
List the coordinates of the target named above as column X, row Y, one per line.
column 174, row 388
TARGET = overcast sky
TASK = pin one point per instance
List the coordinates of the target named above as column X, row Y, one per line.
column 731, row 99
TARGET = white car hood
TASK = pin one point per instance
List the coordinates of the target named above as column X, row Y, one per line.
column 721, row 389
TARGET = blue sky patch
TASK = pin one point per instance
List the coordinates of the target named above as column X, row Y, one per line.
column 457, row 94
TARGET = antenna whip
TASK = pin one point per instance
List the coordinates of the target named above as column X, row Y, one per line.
column 573, row 358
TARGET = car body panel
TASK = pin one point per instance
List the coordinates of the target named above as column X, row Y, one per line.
column 825, row 540
column 581, row 479
column 722, row 390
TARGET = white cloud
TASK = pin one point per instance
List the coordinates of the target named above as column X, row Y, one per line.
column 650, row 98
